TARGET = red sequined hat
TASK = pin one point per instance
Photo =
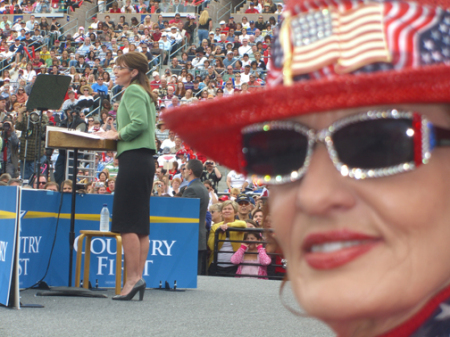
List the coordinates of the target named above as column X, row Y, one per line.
column 328, row 55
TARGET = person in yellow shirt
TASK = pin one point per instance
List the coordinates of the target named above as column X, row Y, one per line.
column 44, row 54
column 226, row 249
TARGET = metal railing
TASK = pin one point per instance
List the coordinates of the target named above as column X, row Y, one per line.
column 97, row 11
column 239, row 5
column 66, row 31
column 224, row 11
column 270, row 275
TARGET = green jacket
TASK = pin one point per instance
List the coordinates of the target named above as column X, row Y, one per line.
column 136, row 120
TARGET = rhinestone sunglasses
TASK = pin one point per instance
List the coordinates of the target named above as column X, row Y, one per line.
column 367, row 145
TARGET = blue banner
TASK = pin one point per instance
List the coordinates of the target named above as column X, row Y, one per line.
column 173, row 240
column 8, row 231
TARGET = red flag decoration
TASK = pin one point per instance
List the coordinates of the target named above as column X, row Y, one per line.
column 28, row 53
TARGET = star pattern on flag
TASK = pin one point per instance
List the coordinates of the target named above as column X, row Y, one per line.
column 312, row 27
column 434, row 43
column 445, row 312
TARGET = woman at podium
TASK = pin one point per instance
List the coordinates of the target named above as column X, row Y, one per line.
column 135, row 137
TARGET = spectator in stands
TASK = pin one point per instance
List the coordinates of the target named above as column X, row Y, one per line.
column 229, row 60
column 257, row 215
column 260, row 23
column 228, row 90
column 99, row 88
column 175, row 36
column 253, row 254
column 127, row 7
column 161, row 132
column 231, row 24
column 175, row 186
column 273, row 6
column 174, row 102
column 196, row 189
column 198, row 61
column 85, row 47
column 146, row 52
column 279, row 8
column 190, row 26
column 245, row 48
column 166, row 46
column 180, row 90
column 11, row 144
column 212, row 174
column 267, row 9
column 244, row 207
column 42, row 183
column 204, row 25
column 175, row 67
column 237, row 180
column 213, row 198
column 66, row 186
column 253, row 83
column 17, row 47
column 225, row 247
column 251, row 9
column 175, row 20
column 160, row 188
column 170, row 141
column 115, row 8
column 22, row 97
column 111, row 186
column 5, row 22
column 51, row 186
column 216, row 212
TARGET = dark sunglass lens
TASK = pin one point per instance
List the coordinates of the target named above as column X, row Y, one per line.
column 375, row 144
column 274, row 152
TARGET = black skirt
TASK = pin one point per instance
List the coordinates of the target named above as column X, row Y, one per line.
column 131, row 206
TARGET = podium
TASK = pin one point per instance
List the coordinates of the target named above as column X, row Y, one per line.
column 63, row 138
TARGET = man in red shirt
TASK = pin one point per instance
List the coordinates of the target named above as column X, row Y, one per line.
column 156, row 80
column 156, row 36
column 253, row 84
column 252, row 9
column 223, row 27
column 176, row 20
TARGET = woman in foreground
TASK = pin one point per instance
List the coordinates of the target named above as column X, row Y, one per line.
column 354, row 142
column 135, row 148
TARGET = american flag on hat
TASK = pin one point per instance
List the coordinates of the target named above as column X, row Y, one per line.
column 324, row 38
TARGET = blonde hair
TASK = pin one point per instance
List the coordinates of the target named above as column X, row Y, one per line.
column 232, row 203
column 234, row 191
column 203, row 17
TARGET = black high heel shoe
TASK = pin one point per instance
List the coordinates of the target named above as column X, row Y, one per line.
column 138, row 287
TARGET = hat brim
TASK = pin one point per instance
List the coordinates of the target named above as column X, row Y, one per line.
column 428, row 84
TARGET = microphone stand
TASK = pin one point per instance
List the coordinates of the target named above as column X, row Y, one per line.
column 48, row 93
column 26, row 148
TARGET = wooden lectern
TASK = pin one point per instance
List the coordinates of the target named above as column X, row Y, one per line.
column 63, row 138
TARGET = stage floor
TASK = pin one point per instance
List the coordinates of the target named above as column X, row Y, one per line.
column 219, row 307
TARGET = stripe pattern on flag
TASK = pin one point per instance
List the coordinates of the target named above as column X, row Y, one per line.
column 349, row 39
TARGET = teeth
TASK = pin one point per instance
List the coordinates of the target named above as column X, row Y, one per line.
column 334, row 246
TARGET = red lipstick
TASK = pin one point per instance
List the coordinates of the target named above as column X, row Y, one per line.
column 332, row 249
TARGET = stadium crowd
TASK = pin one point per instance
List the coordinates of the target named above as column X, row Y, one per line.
column 190, row 60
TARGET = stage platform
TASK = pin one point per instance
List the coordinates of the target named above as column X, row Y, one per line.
column 219, row 307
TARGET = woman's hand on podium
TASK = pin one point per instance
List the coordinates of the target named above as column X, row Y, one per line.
column 114, row 135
